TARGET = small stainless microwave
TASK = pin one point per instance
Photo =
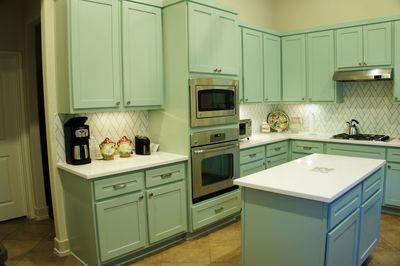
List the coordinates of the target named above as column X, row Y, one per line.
column 245, row 128
column 213, row 101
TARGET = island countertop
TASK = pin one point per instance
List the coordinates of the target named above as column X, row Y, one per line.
column 319, row 177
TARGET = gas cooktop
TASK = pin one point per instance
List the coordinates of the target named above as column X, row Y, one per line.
column 371, row 137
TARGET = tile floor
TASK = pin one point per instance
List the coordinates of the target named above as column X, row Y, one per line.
column 30, row 243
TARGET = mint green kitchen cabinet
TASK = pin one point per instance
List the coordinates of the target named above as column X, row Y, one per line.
column 356, row 150
column 392, row 183
column 301, row 148
column 95, row 59
column 252, row 160
column 294, row 68
column 213, row 40
column 121, row 225
column 272, row 68
column 142, row 55
column 321, row 65
column 253, row 70
column 396, row 63
column 276, row 153
column 364, row 46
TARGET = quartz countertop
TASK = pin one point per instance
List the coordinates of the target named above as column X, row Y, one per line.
column 319, row 177
column 262, row 139
column 100, row 168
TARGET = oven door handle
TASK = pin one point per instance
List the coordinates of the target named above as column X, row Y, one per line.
column 216, row 149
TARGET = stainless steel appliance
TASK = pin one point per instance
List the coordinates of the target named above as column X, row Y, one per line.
column 215, row 162
column 213, row 101
column 370, row 137
column 367, row 74
column 76, row 135
column 142, row 145
column 245, row 128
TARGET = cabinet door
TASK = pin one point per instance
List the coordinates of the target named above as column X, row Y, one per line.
column 321, row 65
column 377, row 44
column 252, row 66
column 95, row 54
column 342, row 242
column 392, row 184
column 294, row 68
column 349, row 47
column 166, row 211
column 369, row 226
column 121, row 225
column 226, row 40
column 272, row 68
column 251, row 168
column 142, row 55
column 396, row 63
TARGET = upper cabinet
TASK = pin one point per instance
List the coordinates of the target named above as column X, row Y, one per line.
column 364, row 46
column 213, row 40
column 294, row 68
column 90, row 61
column 396, row 63
column 272, row 68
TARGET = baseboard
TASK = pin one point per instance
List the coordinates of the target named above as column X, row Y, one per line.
column 41, row 213
column 61, row 248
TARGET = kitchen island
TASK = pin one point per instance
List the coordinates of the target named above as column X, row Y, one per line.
column 317, row 210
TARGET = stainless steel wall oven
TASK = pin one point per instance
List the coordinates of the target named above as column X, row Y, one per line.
column 213, row 101
column 215, row 162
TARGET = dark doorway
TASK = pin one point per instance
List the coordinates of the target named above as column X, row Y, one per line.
column 42, row 117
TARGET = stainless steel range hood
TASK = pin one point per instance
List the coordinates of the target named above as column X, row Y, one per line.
column 368, row 74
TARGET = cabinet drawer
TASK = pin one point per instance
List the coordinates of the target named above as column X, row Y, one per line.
column 117, row 185
column 277, row 160
column 251, row 168
column 251, row 155
column 393, row 155
column 356, row 151
column 277, row 148
column 343, row 206
column 211, row 211
column 372, row 184
column 164, row 175
column 307, row 146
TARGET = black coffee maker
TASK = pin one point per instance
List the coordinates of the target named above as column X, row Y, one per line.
column 77, row 136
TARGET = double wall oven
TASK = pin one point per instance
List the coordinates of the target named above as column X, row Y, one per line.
column 215, row 137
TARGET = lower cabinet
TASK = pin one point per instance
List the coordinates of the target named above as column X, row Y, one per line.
column 392, row 185
column 301, row 148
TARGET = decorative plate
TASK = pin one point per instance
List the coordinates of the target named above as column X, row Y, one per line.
column 278, row 120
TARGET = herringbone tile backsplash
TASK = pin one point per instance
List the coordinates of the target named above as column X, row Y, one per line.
column 369, row 102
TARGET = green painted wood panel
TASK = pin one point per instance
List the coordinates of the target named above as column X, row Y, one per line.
column 252, row 154
column 252, row 52
column 392, row 184
column 321, row 66
column 166, row 207
column 276, row 148
column 342, row 242
column 121, row 225
column 272, row 68
column 369, row 226
column 165, row 174
column 142, row 55
column 372, row 184
column 356, row 151
column 252, row 167
column 349, row 51
column 95, row 53
column 112, row 186
column 396, row 63
column 307, row 147
column 377, row 44
column 226, row 42
column 393, row 155
column 294, row 68
column 276, row 160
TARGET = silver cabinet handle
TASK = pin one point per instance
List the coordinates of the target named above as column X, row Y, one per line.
column 218, row 210
column 365, row 63
column 389, row 167
column 117, row 103
column 216, row 70
column 307, row 148
column 219, row 70
column 151, row 195
column 246, row 100
column 119, row 186
column 163, row 176
column 141, row 197
column 252, row 155
column 278, row 149
column 360, row 64
column 302, row 99
column 128, row 102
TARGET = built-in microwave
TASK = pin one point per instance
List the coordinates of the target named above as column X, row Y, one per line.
column 213, row 101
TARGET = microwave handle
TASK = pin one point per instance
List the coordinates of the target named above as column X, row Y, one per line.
column 216, row 149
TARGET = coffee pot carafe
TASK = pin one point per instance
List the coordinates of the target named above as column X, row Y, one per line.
column 77, row 136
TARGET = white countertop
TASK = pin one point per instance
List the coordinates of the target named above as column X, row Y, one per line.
column 99, row 168
column 262, row 139
column 300, row 178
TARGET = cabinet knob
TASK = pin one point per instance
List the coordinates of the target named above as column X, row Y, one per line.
column 151, row 195
column 128, row 102
column 389, row 167
column 219, row 70
column 141, row 197
column 302, row 99
column 360, row 64
column 266, row 99
column 216, row 70
column 117, row 103
column 246, row 100
column 396, row 98
column 365, row 63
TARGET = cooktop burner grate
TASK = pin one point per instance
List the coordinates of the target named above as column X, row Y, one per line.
column 370, row 137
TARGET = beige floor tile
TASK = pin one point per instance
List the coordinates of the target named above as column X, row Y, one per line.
column 187, row 252
column 225, row 252
column 383, row 255
column 16, row 249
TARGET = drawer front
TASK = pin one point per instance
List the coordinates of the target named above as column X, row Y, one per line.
column 296, row 155
column 164, row 175
column 253, row 154
column 343, row 206
column 393, row 155
column 307, row 146
column 277, row 148
column 356, row 151
column 216, row 209
column 372, row 184
column 277, row 160
column 118, row 185
column 251, row 168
